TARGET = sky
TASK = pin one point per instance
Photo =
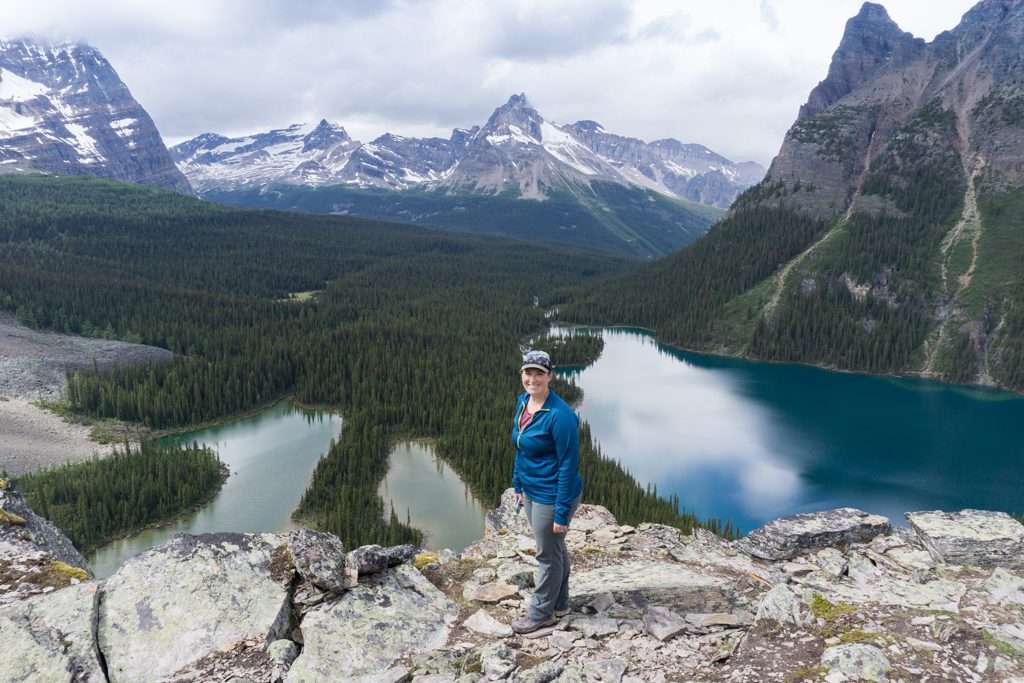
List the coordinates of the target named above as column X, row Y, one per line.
column 728, row 74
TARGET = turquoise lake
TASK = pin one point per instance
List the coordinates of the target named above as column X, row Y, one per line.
column 750, row 442
column 271, row 456
column 425, row 490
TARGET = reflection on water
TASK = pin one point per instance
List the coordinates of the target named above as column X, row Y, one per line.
column 751, row 441
column 422, row 488
column 271, row 457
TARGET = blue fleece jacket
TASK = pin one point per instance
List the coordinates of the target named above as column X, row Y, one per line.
column 547, row 465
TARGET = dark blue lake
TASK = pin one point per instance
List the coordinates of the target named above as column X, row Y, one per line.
column 753, row 441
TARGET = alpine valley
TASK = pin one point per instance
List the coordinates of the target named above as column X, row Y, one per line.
column 518, row 175
column 888, row 234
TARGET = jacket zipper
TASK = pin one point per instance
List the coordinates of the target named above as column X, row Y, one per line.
column 522, row 407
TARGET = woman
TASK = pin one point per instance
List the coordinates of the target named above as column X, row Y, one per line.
column 547, row 481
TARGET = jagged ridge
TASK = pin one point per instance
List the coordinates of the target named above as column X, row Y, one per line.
column 64, row 110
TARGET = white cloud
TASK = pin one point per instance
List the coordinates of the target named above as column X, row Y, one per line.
column 729, row 76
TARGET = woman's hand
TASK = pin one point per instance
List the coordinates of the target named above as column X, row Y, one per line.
column 559, row 528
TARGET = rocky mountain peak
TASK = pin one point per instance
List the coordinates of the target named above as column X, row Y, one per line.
column 324, row 135
column 587, row 126
column 872, row 42
column 515, row 115
column 63, row 109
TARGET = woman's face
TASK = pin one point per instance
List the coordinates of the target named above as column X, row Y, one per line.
column 536, row 381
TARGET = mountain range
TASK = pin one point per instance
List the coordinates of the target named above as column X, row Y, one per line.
column 888, row 233
column 65, row 111
column 516, row 152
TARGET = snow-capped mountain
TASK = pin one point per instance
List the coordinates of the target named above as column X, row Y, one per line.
column 64, row 110
column 517, row 151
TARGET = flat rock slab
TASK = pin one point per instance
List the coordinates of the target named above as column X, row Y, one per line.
column 484, row 623
column 1005, row 587
column 789, row 536
column 663, row 623
column 971, row 537
column 189, row 598
column 371, row 626
column 493, row 592
column 859, row 662
column 666, row 584
column 50, row 638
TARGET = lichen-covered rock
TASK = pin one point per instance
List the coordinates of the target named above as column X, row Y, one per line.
column 545, row 672
column 780, row 604
column 400, row 554
column 368, row 559
column 789, row 536
column 638, row 584
column 283, row 652
column 1005, row 587
column 50, row 638
column 33, row 532
column 319, row 558
column 860, row 662
column 1010, row 635
column 369, row 627
column 832, row 562
column 604, row 670
column 497, row 660
column 505, row 520
column 971, row 537
column 188, row 598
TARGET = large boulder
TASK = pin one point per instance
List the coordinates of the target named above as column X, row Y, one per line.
column 50, row 637
column 789, row 536
column 319, row 558
column 971, row 537
column 395, row 613
column 639, row 584
column 192, row 597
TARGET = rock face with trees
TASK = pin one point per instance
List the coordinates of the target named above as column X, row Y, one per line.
column 843, row 597
column 885, row 236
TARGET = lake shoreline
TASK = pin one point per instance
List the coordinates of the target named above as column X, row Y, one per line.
column 724, row 354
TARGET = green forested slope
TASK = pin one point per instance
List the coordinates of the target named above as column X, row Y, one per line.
column 97, row 500
column 607, row 216
column 892, row 286
column 415, row 333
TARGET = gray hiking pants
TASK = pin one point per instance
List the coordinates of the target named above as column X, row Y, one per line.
column 552, row 591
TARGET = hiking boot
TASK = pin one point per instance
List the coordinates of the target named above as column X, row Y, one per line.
column 530, row 625
column 562, row 612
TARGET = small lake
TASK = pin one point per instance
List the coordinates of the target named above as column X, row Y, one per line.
column 424, row 489
column 751, row 442
column 271, row 456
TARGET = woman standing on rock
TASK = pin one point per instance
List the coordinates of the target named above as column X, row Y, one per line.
column 547, row 481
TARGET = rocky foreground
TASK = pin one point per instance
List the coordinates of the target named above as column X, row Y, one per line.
column 832, row 596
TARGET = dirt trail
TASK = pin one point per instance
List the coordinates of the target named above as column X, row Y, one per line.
column 32, row 367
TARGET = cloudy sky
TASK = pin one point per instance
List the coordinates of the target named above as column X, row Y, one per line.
column 730, row 75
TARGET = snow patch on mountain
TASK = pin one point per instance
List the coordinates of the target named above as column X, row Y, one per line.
column 516, row 149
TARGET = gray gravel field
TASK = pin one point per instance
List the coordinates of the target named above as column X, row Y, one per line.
column 32, row 366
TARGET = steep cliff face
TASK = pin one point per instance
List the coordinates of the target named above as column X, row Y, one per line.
column 63, row 109
column 886, row 236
